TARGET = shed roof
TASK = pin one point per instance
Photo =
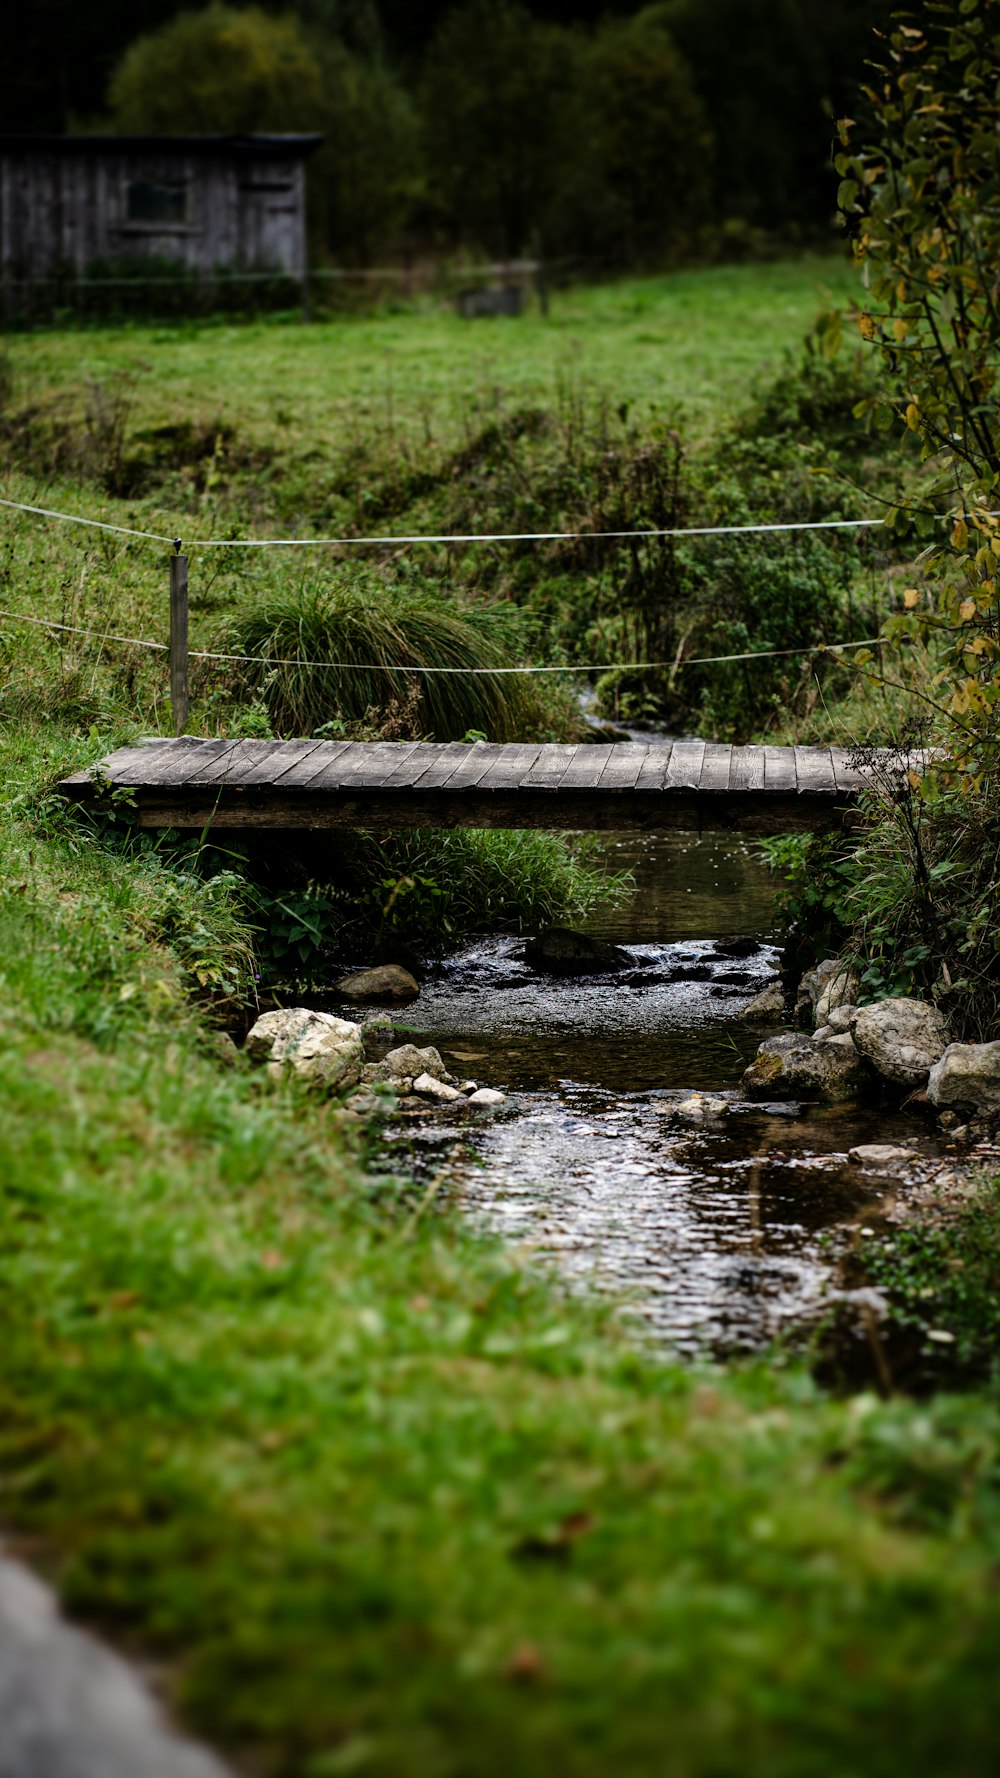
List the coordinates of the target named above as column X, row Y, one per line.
column 280, row 147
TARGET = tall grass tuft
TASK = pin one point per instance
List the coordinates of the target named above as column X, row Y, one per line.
column 368, row 639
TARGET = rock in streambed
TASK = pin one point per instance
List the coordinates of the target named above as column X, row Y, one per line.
column 563, row 952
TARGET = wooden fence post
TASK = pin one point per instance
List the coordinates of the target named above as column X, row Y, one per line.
column 179, row 639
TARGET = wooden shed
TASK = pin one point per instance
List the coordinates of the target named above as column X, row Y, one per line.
column 207, row 203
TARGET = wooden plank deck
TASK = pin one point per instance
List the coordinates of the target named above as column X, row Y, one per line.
column 317, row 785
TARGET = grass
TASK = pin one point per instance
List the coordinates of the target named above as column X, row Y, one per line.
column 383, row 1499
column 683, row 340
column 373, row 635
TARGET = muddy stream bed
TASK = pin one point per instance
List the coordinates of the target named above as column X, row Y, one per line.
column 714, row 1238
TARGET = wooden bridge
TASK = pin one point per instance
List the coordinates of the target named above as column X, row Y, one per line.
column 274, row 786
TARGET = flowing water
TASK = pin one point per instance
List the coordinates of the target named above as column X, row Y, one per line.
column 711, row 1234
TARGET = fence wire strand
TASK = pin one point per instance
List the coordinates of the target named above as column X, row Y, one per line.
column 261, row 660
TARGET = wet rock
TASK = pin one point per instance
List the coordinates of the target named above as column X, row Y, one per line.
column 838, row 1019
column 388, row 981
column 378, row 1036
column 737, row 947
column 967, row 1076
column 769, row 1004
column 694, row 972
column 794, row 1064
column 468, row 1086
column 831, row 984
column 438, row 1090
column 840, row 989
column 406, row 1062
column 880, row 1154
column 700, row 1108
column 316, row 1045
column 902, row 1039
column 563, row 952
column 486, row 1096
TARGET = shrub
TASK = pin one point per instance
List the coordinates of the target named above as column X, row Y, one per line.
column 347, row 651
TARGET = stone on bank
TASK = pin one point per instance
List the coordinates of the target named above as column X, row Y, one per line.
column 902, row 1039
column 316, row 1045
column 967, row 1077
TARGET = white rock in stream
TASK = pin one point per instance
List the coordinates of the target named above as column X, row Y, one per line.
column 439, row 1090
column 700, row 1108
column 880, row 1154
column 316, row 1045
column 406, row 1062
column 486, row 1096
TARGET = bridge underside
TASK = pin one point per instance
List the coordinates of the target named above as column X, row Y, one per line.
column 302, row 786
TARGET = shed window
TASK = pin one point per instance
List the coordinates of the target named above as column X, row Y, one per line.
column 150, row 200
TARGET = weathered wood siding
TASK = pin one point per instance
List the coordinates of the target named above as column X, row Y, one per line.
column 63, row 203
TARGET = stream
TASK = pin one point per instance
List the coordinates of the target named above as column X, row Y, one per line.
column 711, row 1236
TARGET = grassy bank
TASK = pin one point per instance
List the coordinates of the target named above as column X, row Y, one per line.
column 384, row 1501
column 686, row 339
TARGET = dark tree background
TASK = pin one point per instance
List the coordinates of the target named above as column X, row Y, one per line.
column 620, row 132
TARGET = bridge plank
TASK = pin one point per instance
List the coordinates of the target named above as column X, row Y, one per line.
column 814, row 771
column 548, row 768
column 223, row 768
column 584, row 770
column 506, row 771
column 779, row 769
column 849, row 779
column 625, row 762
column 266, row 762
column 366, row 765
column 686, row 760
column 746, row 771
column 405, row 767
column 655, row 766
column 474, row 767
column 716, row 766
column 315, row 768
column 445, row 757
column 132, row 766
column 190, row 767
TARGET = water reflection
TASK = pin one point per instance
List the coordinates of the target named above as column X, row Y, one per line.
column 711, row 1235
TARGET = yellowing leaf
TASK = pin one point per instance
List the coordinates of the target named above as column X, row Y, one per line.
column 960, row 534
column 911, row 598
column 914, row 779
column 900, row 328
column 967, row 610
column 913, row 417
column 866, row 327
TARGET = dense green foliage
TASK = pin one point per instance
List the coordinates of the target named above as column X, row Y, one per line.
column 617, row 134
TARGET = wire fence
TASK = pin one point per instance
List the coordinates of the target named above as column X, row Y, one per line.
column 180, row 654
column 644, row 534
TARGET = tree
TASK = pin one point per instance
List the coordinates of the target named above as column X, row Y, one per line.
column 649, row 137
column 920, row 187
column 219, row 71
column 234, row 72
column 493, row 98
